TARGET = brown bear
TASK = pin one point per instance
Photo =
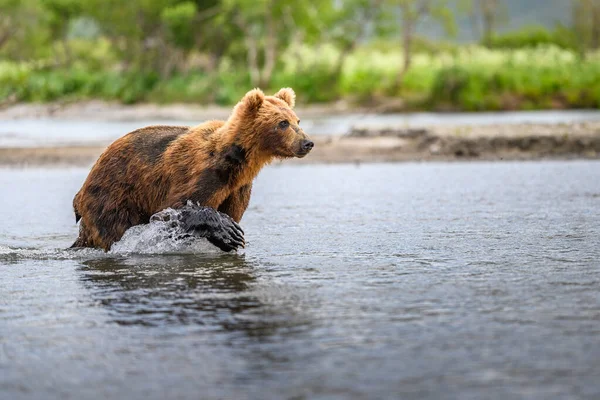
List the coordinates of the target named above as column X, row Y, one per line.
column 211, row 165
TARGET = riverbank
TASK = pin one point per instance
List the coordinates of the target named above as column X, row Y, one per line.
column 394, row 144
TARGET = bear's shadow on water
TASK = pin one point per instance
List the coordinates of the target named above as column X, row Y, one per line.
column 211, row 292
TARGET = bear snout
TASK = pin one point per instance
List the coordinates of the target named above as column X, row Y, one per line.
column 307, row 145
column 304, row 147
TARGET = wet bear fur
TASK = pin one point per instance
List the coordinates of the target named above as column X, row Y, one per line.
column 212, row 164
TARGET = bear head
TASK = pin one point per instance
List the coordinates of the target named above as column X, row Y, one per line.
column 268, row 125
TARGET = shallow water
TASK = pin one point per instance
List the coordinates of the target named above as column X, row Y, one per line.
column 428, row 281
column 60, row 132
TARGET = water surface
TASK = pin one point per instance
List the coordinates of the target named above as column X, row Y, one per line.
column 425, row 281
column 62, row 132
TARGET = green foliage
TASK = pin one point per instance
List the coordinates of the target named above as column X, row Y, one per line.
column 24, row 30
column 61, row 12
column 42, row 85
column 421, row 45
column 586, row 14
column 316, row 84
column 562, row 81
column 534, row 36
column 465, row 79
column 213, row 51
column 179, row 21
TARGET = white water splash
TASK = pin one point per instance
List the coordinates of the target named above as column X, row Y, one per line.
column 5, row 250
column 18, row 253
column 162, row 237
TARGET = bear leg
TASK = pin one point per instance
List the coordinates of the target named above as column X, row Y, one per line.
column 218, row 228
column 83, row 240
column 236, row 204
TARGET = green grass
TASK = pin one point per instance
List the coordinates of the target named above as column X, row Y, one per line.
column 466, row 78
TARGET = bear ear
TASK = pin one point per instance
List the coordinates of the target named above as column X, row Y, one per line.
column 253, row 100
column 288, row 95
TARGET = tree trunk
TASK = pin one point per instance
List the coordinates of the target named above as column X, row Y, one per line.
column 345, row 52
column 270, row 49
column 297, row 37
column 252, row 58
column 408, row 38
column 5, row 36
column 6, row 30
column 67, row 49
column 595, row 31
column 408, row 23
column 488, row 10
column 367, row 19
column 251, row 50
column 474, row 24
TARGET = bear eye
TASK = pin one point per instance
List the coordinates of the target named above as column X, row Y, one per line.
column 284, row 124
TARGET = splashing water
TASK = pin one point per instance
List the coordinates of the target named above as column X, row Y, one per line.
column 163, row 235
column 8, row 253
column 5, row 250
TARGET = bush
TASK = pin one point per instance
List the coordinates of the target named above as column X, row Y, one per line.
column 514, row 83
column 467, row 78
column 28, row 83
column 314, row 85
column 534, row 36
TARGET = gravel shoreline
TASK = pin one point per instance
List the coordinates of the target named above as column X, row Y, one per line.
column 361, row 144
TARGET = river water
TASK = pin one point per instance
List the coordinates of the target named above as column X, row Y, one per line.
column 43, row 132
column 425, row 281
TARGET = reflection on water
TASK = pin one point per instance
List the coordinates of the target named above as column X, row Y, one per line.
column 210, row 292
column 159, row 290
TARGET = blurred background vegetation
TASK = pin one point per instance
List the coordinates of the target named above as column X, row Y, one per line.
column 424, row 54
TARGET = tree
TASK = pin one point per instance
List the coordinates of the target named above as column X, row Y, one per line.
column 60, row 14
column 412, row 12
column 489, row 13
column 586, row 22
column 23, row 28
column 266, row 29
column 135, row 28
column 197, row 26
column 344, row 24
column 256, row 21
column 485, row 16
